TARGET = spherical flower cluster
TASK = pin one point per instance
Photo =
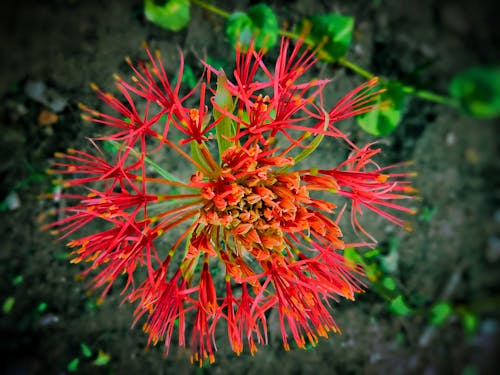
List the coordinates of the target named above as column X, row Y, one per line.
column 248, row 209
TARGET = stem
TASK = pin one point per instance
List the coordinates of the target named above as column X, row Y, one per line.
column 431, row 96
column 162, row 172
column 424, row 94
column 355, row 68
column 211, row 8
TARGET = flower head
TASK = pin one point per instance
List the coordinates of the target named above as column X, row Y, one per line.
column 249, row 208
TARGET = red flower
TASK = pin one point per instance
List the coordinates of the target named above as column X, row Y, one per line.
column 248, row 208
column 166, row 304
column 368, row 185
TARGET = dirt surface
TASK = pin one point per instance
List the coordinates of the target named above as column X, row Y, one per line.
column 453, row 253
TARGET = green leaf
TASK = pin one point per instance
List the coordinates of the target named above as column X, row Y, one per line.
column 259, row 24
column 352, row 257
column 371, row 254
column 372, row 271
column 172, row 15
column 225, row 128
column 90, row 305
column 332, row 29
column 42, row 307
column 440, row 312
column 188, row 78
column 62, row 255
column 8, row 304
column 389, row 283
column 111, row 147
column 477, row 90
column 398, row 306
column 73, row 365
column 87, row 353
column 470, row 370
column 102, row 358
column 385, row 117
column 470, row 322
column 17, row 280
column 427, row 213
column 217, row 64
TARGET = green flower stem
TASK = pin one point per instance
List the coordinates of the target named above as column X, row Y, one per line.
column 424, row 94
column 355, row 68
column 162, row 172
column 431, row 96
column 211, row 8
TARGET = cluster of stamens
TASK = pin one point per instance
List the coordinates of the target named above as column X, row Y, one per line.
column 254, row 203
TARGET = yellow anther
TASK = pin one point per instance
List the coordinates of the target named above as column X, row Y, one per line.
column 373, row 81
column 194, row 115
column 410, row 189
column 382, row 177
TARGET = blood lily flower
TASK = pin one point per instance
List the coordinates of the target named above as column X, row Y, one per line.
column 252, row 216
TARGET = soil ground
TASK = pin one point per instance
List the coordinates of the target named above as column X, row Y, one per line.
column 453, row 253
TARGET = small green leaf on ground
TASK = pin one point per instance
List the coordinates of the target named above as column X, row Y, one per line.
column 102, row 358
column 90, row 305
column 259, row 23
column 477, row 90
column 470, row 370
column 332, row 29
column 217, row 64
column 470, row 322
column 73, row 365
column 17, row 280
column 11, row 202
column 62, row 255
column 8, row 304
column 398, row 306
column 385, row 117
column 172, row 15
column 42, row 307
column 389, row 283
column 87, row 353
column 440, row 312
column 427, row 213
column 188, row 78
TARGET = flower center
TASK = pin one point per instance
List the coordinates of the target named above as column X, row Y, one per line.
column 254, row 203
